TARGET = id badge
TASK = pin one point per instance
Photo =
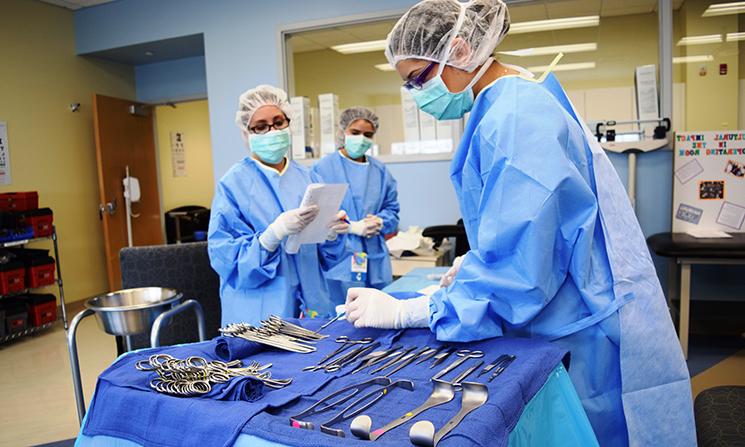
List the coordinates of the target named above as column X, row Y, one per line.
column 359, row 266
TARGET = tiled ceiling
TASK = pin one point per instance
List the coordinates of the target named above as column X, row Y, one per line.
column 76, row 4
column 520, row 11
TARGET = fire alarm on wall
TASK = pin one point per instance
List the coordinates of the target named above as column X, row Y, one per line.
column 722, row 69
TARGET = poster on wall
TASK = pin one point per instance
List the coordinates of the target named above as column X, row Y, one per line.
column 178, row 154
column 709, row 182
column 4, row 154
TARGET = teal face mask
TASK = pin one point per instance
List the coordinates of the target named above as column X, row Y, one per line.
column 435, row 98
column 357, row 145
column 270, row 147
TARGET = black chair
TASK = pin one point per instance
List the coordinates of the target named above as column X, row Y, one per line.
column 184, row 267
column 182, row 222
column 439, row 233
column 720, row 416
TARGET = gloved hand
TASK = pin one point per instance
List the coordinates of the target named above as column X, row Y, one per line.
column 374, row 308
column 338, row 226
column 368, row 227
column 287, row 223
column 449, row 276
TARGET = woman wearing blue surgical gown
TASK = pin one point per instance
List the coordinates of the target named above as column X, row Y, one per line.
column 371, row 201
column 556, row 251
column 255, row 208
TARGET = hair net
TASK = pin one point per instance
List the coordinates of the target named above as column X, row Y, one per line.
column 428, row 31
column 351, row 115
column 252, row 100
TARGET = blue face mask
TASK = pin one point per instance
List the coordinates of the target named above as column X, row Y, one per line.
column 435, row 98
column 357, row 145
column 270, row 147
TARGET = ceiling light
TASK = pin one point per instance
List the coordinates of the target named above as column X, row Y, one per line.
column 360, row 47
column 385, row 67
column 700, row 40
column 563, row 67
column 723, row 9
column 556, row 49
column 554, row 24
column 693, row 59
column 734, row 37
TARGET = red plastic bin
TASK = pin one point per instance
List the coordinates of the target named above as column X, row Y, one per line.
column 19, row 201
column 40, row 272
column 42, row 309
column 12, row 277
column 41, row 220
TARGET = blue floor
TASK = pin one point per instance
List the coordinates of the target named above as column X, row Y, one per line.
column 705, row 351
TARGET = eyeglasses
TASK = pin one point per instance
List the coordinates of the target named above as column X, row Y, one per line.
column 418, row 82
column 264, row 127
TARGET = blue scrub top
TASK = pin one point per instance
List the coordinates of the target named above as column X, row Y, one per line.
column 372, row 190
column 254, row 282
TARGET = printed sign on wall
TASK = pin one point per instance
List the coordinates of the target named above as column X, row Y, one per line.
column 709, row 181
column 4, row 154
column 178, row 154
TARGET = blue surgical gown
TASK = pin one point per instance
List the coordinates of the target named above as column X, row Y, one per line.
column 557, row 253
column 372, row 190
column 254, row 282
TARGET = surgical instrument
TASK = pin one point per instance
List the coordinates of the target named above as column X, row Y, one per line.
column 491, row 365
column 338, row 363
column 277, row 333
column 393, row 361
column 464, row 355
column 347, row 342
column 372, row 360
column 439, row 358
column 324, row 404
column 457, row 381
column 430, row 354
column 423, row 432
column 328, row 323
column 442, row 393
column 196, row 375
column 407, row 360
column 292, row 330
column 502, row 367
column 366, row 402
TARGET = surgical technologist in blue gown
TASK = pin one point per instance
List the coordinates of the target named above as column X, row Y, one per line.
column 371, row 201
column 556, row 251
column 255, row 208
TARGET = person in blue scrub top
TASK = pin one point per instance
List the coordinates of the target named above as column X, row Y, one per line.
column 255, row 208
column 371, row 201
column 556, row 250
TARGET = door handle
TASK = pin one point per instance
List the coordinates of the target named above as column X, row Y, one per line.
column 109, row 207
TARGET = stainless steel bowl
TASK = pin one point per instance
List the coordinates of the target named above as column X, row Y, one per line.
column 132, row 311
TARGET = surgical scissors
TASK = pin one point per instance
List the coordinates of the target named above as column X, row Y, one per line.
column 464, row 355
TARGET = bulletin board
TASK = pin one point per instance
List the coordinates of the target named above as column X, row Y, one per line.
column 709, row 181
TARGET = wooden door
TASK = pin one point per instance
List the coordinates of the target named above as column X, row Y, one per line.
column 124, row 138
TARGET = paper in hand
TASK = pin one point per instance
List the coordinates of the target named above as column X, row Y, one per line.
column 328, row 198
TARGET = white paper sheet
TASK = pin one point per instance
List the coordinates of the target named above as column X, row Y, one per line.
column 731, row 215
column 703, row 233
column 328, row 198
column 688, row 171
column 4, row 154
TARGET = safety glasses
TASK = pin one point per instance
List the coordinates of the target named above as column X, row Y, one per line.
column 420, row 79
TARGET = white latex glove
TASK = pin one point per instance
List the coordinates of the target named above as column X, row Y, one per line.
column 368, row 227
column 374, row 308
column 449, row 276
column 338, row 226
column 287, row 223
